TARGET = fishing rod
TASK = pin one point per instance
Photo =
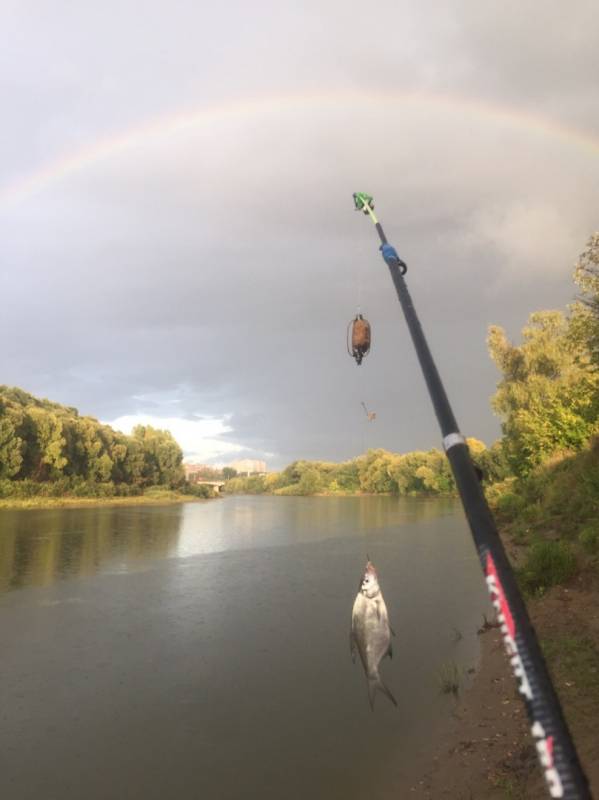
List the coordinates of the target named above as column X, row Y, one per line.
column 555, row 749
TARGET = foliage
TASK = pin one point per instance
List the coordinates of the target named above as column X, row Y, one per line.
column 42, row 442
column 562, row 493
column 589, row 538
column 254, row 484
column 76, row 487
column 548, row 563
column 11, row 444
column 375, row 472
column 510, row 505
column 493, row 462
column 202, row 490
column 586, row 275
column 548, row 397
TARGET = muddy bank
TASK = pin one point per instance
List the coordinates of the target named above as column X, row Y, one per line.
column 485, row 752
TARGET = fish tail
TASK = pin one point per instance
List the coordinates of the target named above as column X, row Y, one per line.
column 376, row 684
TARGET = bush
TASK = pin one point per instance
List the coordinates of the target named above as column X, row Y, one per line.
column 510, row 505
column 293, row 490
column 548, row 564
column 198, row 490
column 254, row 484
column 158, row 492
column 589, row 538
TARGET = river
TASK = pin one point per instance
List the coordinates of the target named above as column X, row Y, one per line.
column 201, row 650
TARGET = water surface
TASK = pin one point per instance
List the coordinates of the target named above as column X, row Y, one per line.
column 202, row 650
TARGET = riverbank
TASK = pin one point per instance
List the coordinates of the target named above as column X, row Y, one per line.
column 156, row 497
column 487, row 752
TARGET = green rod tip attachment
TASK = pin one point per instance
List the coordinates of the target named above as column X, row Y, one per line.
column 363, row 202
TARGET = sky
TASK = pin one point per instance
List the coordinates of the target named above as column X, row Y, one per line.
column 178, row 245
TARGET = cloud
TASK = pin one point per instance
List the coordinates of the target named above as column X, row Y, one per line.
column 210, row 272
column 200, row 439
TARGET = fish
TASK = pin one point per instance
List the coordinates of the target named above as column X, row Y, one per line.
column 370, row 632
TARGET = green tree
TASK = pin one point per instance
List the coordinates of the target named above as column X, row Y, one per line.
column 493, row 463
column 11, row 444
column 310, row 482
column 162, row 456
column 42, row 440
column 347, row 476
column 586, row 273
column 547, row 397
column 586, row 276
column 134, row 462
column 50, row 442
column 374, row 471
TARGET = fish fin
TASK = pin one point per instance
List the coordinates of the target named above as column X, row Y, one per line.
column 387, row 692
column 392, row 631
column 372, row 687
column 375, row 683
column 378, row 611
column 390, row 650
column 352, row 646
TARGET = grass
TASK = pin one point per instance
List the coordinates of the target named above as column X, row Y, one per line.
column 574, row 660
column 589, row 538
column 151, row 497
column 510, row 787
column 547, row 564
column 449, row 678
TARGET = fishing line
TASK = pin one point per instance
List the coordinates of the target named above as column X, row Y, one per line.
column 362, row 427
column 557, row 755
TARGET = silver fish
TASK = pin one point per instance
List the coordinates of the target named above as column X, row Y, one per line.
column 370, row 632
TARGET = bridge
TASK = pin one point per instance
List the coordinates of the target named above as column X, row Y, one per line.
column 216, row 485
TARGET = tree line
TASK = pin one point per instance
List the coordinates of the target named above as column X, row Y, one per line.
column 376, row 472
column 547, row 399
column 44, row 442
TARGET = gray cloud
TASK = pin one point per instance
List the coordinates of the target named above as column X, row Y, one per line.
column 212, row 270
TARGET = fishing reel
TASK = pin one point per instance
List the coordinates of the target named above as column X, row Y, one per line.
column 363, row 202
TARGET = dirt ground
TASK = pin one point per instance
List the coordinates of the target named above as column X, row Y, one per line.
column 487, row 752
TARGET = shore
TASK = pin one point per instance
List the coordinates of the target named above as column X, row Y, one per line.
column 150, row 499
column 486, row 753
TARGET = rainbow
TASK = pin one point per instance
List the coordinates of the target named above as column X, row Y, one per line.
column 169, row 124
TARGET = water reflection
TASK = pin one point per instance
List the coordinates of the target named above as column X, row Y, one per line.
column 38, row 547
column 248, row 522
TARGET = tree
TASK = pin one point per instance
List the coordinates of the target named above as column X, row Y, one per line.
column 347, row 476
column 375, row 473
column 310, row 482
column 547, row 396
column 586, row 273
column 586, row 276
column 229, row 472
column 11, row 444
column 493, row 463
column 162, row 456
column 42, row 440
column 50, row 442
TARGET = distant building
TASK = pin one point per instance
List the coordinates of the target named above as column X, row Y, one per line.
column 194, row 472
column 249, row 466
